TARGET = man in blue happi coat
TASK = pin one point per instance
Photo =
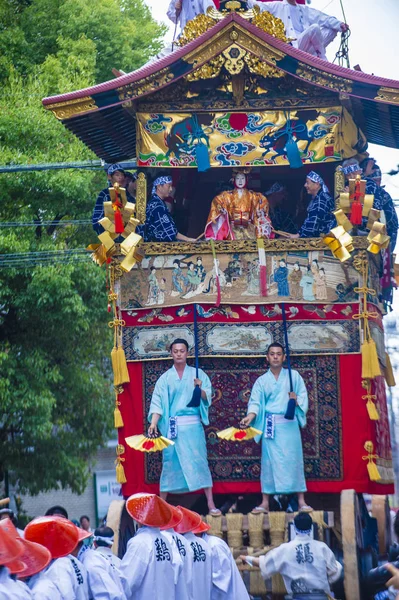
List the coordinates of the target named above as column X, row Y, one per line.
column 282, row 470
column 319, row 218
column 159, row 225
column 185, row 464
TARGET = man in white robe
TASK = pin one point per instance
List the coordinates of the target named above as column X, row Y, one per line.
column 185, row 464
column 103, row 580
column 306, row 565
column 282, row 470
column 310, row 30
column 201, row 555
column 182, row 560
column 182, row 11
column 146, row 569
column 226, row 579
column 103, row 541
column 43, row 588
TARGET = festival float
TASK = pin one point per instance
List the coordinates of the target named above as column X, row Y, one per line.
column 234, row 95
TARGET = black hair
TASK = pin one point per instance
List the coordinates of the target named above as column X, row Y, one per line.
column 179, row 341
column 153, row 268
column 131, row 176
column 303, row 521
column 84, row 517
column 105, row 532
column 176, row 261
column 10, row 514
column 275, row 345
column 56, row 510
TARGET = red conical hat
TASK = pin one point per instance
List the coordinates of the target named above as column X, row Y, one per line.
column 149, row 509
column 57, row 534
column 16, row 566
column 203, row 528
column 83, row 534
column 10, row 546
column 35, row 557
column 191, row 520
column 177, row 516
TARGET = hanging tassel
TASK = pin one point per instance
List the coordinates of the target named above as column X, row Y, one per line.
column 118, row 420
column 372, row 411
column 388, row 372
column 262, row 266
column 366, row 366
column 120, row 472
column 374, row 362
column 115, row 365
column 356, row 213
column 372, row 468
column 119, row 226
column 202, row 157
column 293, row 154
column 122, row 366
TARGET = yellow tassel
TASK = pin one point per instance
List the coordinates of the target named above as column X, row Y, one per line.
column 122, row 366
column 374, row 362
column 373, row 471
column 120, row 473
column 372, row 410
column 115, row 365
column 389, row 376
column 366, row 367
column 118, row 420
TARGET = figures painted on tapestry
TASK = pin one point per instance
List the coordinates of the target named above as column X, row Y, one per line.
column 307, row 277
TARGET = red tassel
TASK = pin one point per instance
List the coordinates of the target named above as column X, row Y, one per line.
column 119, row 227
column 356, row 213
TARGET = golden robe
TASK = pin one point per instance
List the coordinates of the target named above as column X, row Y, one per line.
column 233, row 217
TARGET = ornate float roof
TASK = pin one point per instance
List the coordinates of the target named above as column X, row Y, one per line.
column 103, row 116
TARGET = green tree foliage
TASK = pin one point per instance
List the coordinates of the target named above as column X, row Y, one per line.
column 55, row 388
column 123, row 33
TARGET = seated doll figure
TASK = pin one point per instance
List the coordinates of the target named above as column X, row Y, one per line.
column 239, row 214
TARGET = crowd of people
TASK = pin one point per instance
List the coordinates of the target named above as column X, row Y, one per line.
column 241, row 213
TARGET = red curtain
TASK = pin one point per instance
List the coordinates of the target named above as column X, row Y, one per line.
column 356, row 430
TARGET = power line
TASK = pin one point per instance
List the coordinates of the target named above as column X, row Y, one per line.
column 89, row 165
column 45, row 223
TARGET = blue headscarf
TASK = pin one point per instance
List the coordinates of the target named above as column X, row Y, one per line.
column 113, row 168
column 351, row 168
column 315, row 177
column 160, row 181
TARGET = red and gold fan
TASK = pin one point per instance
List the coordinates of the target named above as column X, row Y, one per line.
column 146, row 444
column 233, row 434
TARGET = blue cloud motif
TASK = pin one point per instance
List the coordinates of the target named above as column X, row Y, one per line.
column 236, row 148
column 253, row 125
column 227, row 162
column 156, row 123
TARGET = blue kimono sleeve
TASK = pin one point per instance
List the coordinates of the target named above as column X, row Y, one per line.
column 159, row 404
column 256, row 405
column 302, row 398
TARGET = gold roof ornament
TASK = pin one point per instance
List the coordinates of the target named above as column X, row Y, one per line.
column 378, row 238
column 340, row 243
column 203, row 22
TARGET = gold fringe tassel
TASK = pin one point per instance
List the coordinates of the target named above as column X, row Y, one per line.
column 120, row 473
column 122, row 366
column 389, row 376
column 370, row 363
column 372, row 468
column 115, row 365
column 118, row 420
column 372, row 410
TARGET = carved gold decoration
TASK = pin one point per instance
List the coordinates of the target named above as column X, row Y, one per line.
column 322, row 78
column 279, row 245
column 70, row 108
column 339, row 184
column 233, row 6
column 259, row 67
column 390, row 95
column 378, row 238
column 209, row 70
column 271, row 25
column 340, row 243
column 146, row 85
column 194, row 28
column 234, row 59
column 141, row 197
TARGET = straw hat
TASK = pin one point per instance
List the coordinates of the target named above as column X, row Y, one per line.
column 57, row 534
column 149, row 509
column 83, row 534
column 191, row 520
column 10, row 545
column 203, row 528
column 177, row 516
column 34, row 557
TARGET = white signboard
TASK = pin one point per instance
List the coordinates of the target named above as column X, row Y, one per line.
column 107, row 489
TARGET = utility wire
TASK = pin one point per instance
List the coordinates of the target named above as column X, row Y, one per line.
column 45, row 223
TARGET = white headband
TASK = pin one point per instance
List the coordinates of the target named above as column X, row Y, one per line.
column 101, row 538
